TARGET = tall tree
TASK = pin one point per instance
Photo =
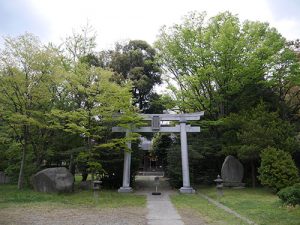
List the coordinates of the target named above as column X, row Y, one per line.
column 94, row 99
column 223, row 66
column 214, row 61
column 27, row 71
column 135, row 60
column 248, row 133
column 80, row 44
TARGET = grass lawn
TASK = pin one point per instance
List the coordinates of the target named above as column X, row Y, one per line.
column 259, row 205
column 10, row 196
column 207, row 211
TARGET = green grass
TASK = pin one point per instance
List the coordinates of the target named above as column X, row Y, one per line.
column 258, row 205
column 207, row 211
column 10, row 196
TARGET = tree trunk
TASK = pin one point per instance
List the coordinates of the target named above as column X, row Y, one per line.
column 89, row 144
column 71, row 165
column 24, row 148
column 84, row 175
column 253, row 174
column 21, row 173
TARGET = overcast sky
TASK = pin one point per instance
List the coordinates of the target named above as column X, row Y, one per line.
column 117, row 20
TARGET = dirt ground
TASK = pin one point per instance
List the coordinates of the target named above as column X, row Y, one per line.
column 50, row 215
column 53, row 215
column 57, row 214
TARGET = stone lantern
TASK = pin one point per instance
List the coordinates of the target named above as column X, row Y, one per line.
column 96, row 187
column 97, row 184
column 219, row 185
column 156, row 183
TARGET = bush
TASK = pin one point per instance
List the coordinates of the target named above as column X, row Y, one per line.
column 277, row 170
column 290, row 195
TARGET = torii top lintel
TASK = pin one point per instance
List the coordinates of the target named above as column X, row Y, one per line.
column 156, row 118
column 174, row 117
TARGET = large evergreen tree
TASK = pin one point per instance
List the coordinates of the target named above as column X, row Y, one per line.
column 135, row 61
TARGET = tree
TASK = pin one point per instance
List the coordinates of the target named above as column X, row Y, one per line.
column 213, row 61
column 161, row 145
column 80, row 44
column 27, row 74
column 225, row 68
column 93, row 100
column 277, row 170
column 284, row 81
column 247, row 134
column 135, row 61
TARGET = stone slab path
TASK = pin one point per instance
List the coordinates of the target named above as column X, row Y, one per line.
column 160, row 209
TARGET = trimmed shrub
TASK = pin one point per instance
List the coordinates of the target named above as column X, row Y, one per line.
column 277, row 170
column 290, row 195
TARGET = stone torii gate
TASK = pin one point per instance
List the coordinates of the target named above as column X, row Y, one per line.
column 182, row 128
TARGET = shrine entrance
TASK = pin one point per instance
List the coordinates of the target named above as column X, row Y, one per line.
column 156, row 120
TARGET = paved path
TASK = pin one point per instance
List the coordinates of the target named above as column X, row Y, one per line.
column 160, row 209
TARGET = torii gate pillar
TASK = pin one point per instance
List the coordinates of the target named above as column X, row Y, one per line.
column 126, row 169
column 186, row 188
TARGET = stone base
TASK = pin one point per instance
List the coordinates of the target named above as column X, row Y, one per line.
column 125, row 190
column 233, row 184
column 187, row 190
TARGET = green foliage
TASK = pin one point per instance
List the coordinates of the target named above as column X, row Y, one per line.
column 156, row 104
column 53, row 108
column 204, row 162
column 94, row 101
column 112, row 161
column 135, row 61
column 13, row 164
column 277, row 169
column 290, row 195
column 246, row 134
column 80, row 45
column 220, row 64
column 28, row 71
column 174, row 168
column 161, row 145
column 227, row 68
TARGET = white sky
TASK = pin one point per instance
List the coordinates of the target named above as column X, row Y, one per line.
column 117, row 20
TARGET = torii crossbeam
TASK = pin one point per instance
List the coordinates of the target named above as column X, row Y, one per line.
column 182, row 128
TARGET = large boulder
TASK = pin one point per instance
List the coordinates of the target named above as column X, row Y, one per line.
column 51, row 180
column 232, row 172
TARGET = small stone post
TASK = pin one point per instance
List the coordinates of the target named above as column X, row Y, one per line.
column 219, row 186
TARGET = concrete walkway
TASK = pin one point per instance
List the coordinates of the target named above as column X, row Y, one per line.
column 160, row 209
